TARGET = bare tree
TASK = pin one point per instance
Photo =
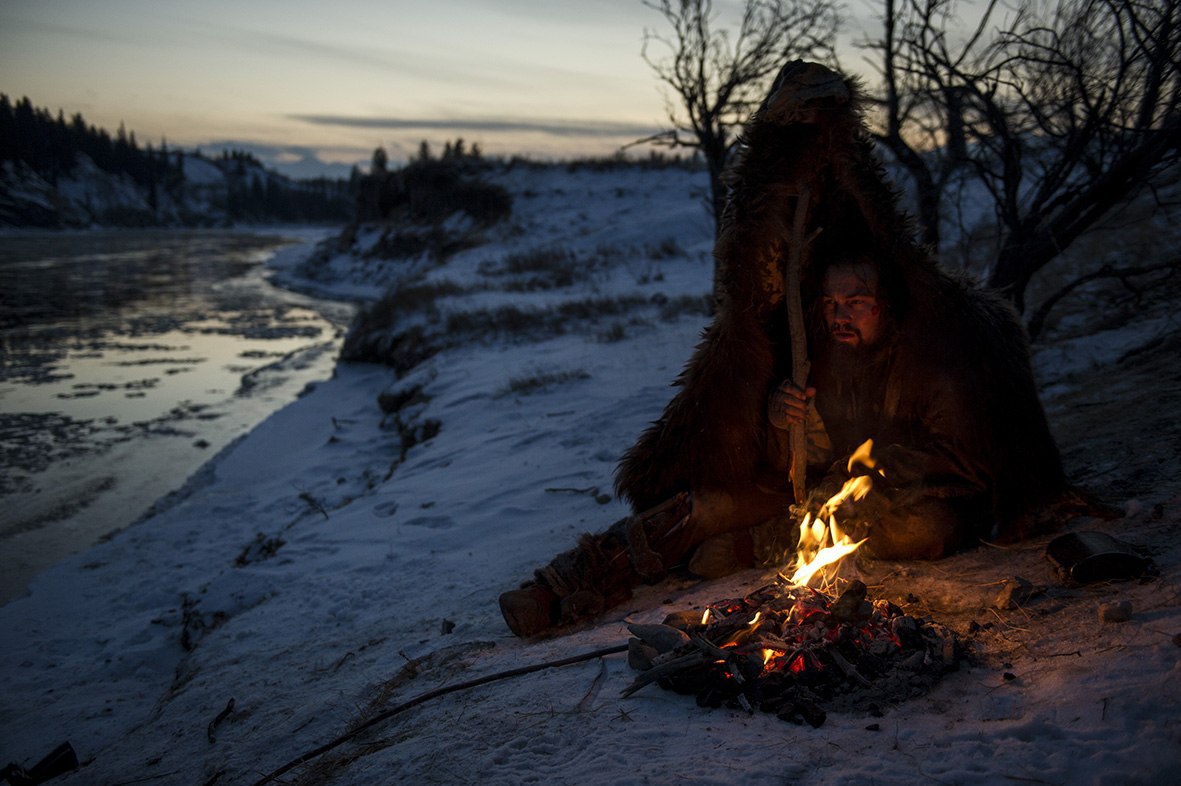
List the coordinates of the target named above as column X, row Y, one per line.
column 718, row 76
column 1062, row 110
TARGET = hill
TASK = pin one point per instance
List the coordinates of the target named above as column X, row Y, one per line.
column 56, row 173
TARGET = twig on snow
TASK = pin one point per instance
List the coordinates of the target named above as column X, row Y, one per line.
column 434, row 694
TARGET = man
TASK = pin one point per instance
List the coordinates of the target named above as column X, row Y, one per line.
column 933, row 370
column 931, row 464
column 934, row 465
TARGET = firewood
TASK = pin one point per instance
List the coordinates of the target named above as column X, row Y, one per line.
column 782, row 647
column 848, row 667
column 664, row 670
column 433, row 694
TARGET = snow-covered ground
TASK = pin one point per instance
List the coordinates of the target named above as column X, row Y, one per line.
column 324, row 568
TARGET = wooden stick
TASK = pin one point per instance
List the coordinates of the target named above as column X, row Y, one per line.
column 800, row 365
column 312, row 754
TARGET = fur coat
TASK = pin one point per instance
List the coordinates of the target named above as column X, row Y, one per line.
column 808, row 138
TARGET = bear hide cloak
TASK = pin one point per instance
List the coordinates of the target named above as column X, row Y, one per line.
column 807, row 140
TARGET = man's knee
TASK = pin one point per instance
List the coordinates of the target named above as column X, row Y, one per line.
column 927, row 531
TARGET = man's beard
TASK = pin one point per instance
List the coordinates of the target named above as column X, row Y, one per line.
column 847, row 361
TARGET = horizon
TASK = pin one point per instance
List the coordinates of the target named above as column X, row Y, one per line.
column 312, row 91
column 302, row 87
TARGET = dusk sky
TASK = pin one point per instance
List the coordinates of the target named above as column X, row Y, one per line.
column 339, row 78
column 300, row 78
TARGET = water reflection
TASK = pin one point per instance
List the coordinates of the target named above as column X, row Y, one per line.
column 126, row 359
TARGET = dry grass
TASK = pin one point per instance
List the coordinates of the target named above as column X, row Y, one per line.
column 540, row 381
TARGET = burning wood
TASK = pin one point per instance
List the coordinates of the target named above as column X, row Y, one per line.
column 788, row 648
column 792, row 650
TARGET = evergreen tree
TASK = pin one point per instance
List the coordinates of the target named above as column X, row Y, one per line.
column 51, row 146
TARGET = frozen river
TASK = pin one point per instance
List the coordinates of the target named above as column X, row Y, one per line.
column 127, row 360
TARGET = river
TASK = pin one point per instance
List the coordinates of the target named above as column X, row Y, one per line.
column 127, row 360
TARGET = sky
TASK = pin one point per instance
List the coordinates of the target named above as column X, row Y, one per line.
column 297, row 78
column 327, row 82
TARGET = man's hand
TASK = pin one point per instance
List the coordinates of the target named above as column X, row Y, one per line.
column 788, row 404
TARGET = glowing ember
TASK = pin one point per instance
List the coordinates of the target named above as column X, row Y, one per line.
column 788, row 647
column 788, row 650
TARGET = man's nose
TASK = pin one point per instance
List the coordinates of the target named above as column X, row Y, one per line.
column 841, row 313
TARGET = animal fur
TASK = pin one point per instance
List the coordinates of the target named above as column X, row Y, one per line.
column 714, row 433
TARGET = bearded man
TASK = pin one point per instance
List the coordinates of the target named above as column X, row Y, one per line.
column 935, row 371
column 930, row 461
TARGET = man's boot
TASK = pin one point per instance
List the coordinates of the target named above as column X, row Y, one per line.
column 600, row 572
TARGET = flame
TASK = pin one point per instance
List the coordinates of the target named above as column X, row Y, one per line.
column 821, row 550
column 822, row 541
column 864, row 456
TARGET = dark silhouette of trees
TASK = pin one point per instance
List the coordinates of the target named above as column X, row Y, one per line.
column 255, row 194
column 717, row 76
column 415, row 202
column 52, row 147
column 427, row 190
column 1060, row 111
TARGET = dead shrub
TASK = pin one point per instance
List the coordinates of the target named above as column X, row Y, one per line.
column 524, row 386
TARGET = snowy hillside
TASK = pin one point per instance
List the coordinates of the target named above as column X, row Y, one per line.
column 206, row 192
column 347, row 555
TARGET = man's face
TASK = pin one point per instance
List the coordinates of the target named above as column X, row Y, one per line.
column 852, row 310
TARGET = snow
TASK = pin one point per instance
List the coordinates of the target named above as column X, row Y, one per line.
column 199, row 170
column 317, row 572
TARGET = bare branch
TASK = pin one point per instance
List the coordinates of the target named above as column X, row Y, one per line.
column 717, row 75
column 1059, row 109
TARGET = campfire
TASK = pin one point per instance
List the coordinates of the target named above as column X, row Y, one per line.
column 792, row 648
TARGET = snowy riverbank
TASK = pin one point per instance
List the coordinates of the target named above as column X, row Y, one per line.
column 323, row 568
column 127, row 359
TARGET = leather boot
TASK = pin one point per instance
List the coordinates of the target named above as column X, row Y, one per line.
column 599, row 573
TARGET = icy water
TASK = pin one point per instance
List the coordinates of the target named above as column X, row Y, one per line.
column 127, row 360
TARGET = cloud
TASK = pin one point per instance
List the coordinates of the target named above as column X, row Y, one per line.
column 562, row 128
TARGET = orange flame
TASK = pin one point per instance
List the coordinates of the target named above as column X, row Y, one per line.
column 820, row 546
column 822, row 541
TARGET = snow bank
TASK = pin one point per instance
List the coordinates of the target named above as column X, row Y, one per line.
column 326, row 568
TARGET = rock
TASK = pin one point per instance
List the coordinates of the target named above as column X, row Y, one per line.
column 662, row 638
column 851, row 605
column 1015, row 592
column 1115, row 611
column 640, row 655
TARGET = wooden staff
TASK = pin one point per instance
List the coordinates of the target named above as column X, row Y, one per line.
column 800, row 365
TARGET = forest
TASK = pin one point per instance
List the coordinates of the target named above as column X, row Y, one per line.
column 37, row 145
